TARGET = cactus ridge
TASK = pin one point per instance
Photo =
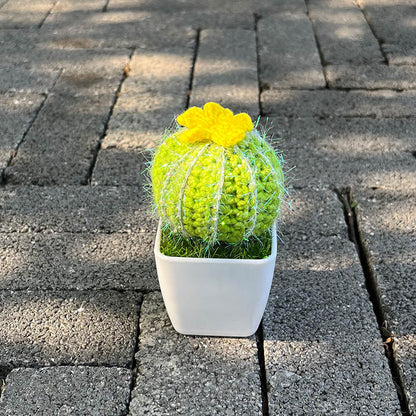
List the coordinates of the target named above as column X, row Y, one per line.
column 252, row 172
column 182, row 190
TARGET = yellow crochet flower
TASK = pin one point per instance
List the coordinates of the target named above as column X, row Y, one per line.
column 214, row 123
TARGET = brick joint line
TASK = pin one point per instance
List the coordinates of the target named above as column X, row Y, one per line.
column 257, row 17
column 3, row 177
column 318, row 45
column 367, row 19
column 356, row 236
column 262, row 370
column 87, row 180
column 191, row 76
column 133, row 381
column 47, row 14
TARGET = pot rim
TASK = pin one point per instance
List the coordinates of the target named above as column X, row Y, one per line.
column 211, row 259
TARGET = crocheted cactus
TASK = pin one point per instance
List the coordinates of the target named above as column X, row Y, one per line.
column 217, row 178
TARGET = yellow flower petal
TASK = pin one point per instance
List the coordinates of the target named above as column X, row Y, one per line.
column 194, row 135
column 215, row 123
column 191, row 118
column 243, row 120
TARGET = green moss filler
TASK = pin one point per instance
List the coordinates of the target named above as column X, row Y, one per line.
column 216, row 193
column 174, row 245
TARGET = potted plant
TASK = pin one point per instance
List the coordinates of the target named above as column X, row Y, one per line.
column 218, row 187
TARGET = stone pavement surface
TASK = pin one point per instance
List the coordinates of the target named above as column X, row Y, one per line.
column 87, row 88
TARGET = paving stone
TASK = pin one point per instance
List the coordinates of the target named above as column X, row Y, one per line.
column 226, row 70
column 371, row 76
column 323, row 349
column 71, row 122
column 343, row 33
column 84, row 391
column 288, row 53
column 394, row 24
column 121, row 29
column 318, row 292
column 155, row 91
column 68, row 328
column 322, row 378
column 75, row 209
column 388, row 222
column 23, row 13
column 17, row 111
column 79, row 5
column 219, row 6
column 117, row 167
column 77, row 261
column 331, row 103
column 358, row 152
column 179, row 374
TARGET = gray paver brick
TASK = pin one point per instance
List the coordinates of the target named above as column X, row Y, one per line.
column 77, row 261
column 226, row 70
column 70, row 328
column 371, row 76
column 71, row 122
column 388, row 221
column 322, row 378
column 343, row 33
column 24, row 14
column 120, row 29
column 179, row 374
column 394, row 24
column 79, row 5
column 323, row 350
column 218, row 6
column 121, row 167
column 318, row 292
column 331, row 103
column 84, row 391
column 75, row 209
column 288, row 52
column 17, row 110
column 155, row 91
column 347, row 151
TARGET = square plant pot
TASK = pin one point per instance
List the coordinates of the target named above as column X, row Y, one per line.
column 215, row 297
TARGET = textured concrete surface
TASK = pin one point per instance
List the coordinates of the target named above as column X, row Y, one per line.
column 388, row 220
column 318, row 292
column 17, row 14
column 77, row 261
column 394, row 25
column 76, row 113
column 67, row 328
column 343, row 33
column 323, row 378
column 360, row 152
column 178, row 374
column 293, row 61
column 121, row 29
column 318, row 300
column 76, row 209
column 76, row 236
column 226, row 70
column 155, row 91
column 17, row 111
column 332, row 103
column 84, row 391
column 371, row 77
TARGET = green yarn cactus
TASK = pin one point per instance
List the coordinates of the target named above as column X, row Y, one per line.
column 217, row 178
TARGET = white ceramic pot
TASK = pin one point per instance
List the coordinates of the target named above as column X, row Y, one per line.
column 216, row 297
